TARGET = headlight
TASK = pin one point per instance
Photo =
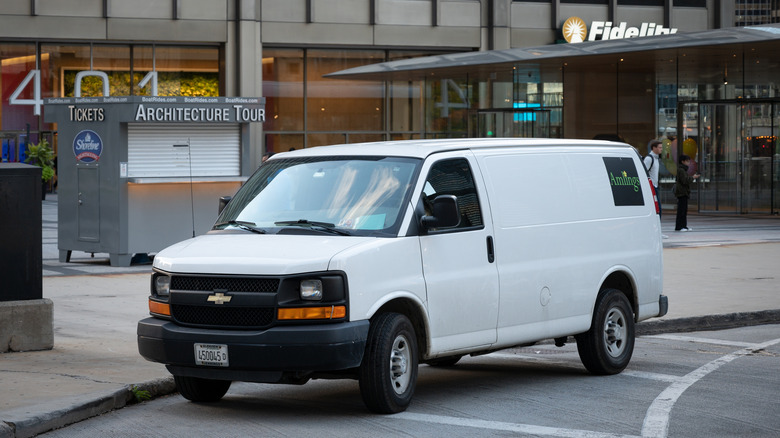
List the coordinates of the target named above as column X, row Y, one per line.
column 311, row 290
column 162, row 285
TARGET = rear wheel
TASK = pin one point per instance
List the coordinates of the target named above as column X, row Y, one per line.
column 388, row 374
column 201, row 390
column 607, row 347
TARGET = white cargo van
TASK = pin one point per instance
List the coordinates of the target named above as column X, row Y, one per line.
column 363, row 261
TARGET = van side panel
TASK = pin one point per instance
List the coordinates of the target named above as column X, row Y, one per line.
column 368, row 266
column 558, row 233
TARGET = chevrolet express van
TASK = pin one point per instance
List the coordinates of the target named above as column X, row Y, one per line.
column 364, row 261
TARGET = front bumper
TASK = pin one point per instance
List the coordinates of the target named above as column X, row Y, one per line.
column 256, row 355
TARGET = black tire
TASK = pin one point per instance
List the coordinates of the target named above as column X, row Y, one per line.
column 201, row 390
column 607, row 347
column 444, row 362
column 388, row 374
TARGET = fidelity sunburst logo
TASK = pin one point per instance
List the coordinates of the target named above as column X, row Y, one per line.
column 575, row 30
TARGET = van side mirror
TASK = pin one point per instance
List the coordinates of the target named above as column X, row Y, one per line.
column 223, row 202
column 445, row 214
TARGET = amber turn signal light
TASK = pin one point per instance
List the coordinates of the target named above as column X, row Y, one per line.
column 159, row 308
column 328, row 312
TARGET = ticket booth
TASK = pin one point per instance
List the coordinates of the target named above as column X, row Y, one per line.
column 136, row 174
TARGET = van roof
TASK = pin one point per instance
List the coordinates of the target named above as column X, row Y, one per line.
column 424, row 148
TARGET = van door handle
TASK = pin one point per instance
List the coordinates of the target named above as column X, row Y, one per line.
column 490, row 253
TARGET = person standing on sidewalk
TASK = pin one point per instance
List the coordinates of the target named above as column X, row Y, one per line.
column 682, row 190
column 653, row 164
column 651, row 161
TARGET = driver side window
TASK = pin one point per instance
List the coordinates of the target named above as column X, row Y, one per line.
column 453, row 177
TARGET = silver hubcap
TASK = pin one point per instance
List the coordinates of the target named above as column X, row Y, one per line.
column 400, row 357
column 615, row 332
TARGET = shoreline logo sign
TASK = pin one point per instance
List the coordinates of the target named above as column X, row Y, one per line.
column 87, row 146
column 575, row 31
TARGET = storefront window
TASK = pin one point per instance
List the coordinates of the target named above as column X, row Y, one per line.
column 760, row 60
column 636, row 101
column 65, row 62
column 342, row 105
column 666, row 126
column 17, row 122
column 538, row 101
column 187, row 71
column 447, row 102
column 590, row 98
column 321, row 139
column 406, row 102
column 305, row 109
column 182, row 71
column 282, row 142
column 16, row 61
column 283, row 91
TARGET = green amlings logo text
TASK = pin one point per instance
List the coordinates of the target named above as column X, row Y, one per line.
column 624, row 180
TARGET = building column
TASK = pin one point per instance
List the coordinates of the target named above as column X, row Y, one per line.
column 244, row 61
column 498, row 25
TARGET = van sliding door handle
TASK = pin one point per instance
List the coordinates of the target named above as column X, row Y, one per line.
column 490, row 253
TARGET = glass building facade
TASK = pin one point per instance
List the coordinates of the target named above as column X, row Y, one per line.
column 181, row 71
column 716, row 103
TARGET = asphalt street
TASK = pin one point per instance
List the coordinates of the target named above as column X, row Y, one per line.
column 721, row 275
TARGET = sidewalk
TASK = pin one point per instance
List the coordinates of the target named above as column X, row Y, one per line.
column 723, row 274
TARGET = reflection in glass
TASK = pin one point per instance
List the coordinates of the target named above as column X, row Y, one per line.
column 283, row 92
column 342, row 105
column 16, row 61
column 365, row 195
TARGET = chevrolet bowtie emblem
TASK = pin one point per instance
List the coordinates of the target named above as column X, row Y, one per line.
column 219, row 298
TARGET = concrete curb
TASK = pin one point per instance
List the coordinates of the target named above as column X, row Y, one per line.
column 33, row 420
column 708, row 322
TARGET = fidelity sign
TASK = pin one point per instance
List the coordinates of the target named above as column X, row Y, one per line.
column 575, row 30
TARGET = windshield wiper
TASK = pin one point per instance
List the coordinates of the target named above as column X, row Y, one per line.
column 248, row 226
column 314, row 225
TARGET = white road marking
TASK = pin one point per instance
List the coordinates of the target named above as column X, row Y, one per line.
column 656, row 422
column 506, row 427
column 703, row 340
column 548, row 359
column 651, row 376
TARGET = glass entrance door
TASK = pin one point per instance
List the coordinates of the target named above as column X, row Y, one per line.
column 737, row 157
column 758, row 151
column 718, row 158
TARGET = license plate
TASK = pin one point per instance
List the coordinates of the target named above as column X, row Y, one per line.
column 213, row 355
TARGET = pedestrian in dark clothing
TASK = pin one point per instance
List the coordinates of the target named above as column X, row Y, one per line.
column 682, row 190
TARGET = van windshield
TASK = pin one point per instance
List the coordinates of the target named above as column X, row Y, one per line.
column 336, row 195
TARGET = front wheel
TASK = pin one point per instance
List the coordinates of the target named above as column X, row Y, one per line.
column 607, row 347
column 388, row 374
column 201, row 390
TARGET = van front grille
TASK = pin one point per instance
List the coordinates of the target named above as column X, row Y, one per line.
column 229, row 284
column 228, row 317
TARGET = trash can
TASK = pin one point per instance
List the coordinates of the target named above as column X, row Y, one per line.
column 25, row 316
